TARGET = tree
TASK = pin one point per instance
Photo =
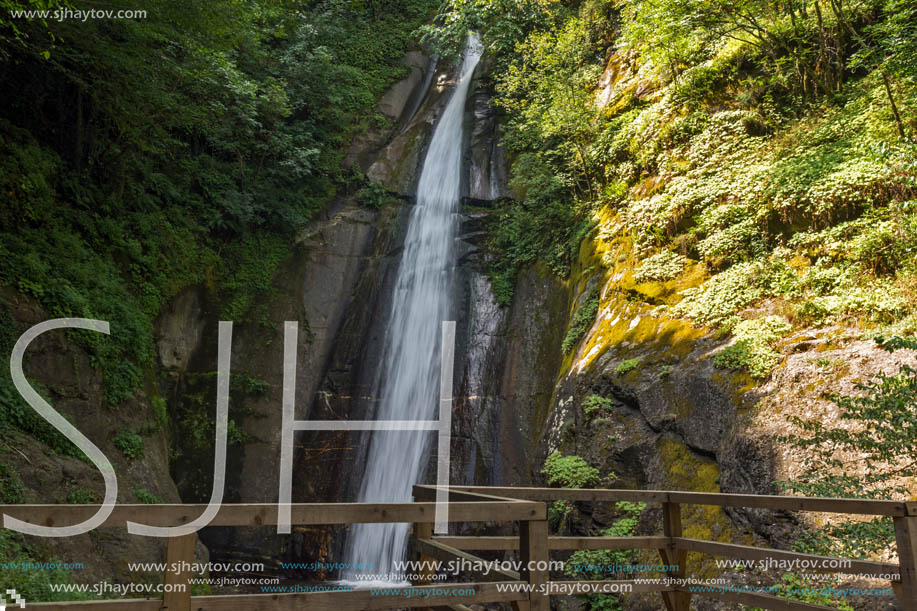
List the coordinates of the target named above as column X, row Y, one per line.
column 881, row 434
column 889, row 45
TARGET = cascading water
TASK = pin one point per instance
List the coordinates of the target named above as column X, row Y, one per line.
column 408, row 384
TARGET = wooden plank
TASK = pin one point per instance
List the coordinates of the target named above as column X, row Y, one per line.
column 128, row 604
column 787, row 503
column 596, row 586
column 570, row 494
column 555, row 543
column 757, row 553
column 764, row 601
column 410, row 598
column 428, row 493
column 180, row 552
column 906, row 540
column 265, row 514
column 793, row 503
column 479, row 543
column 533, row 552
column 445, row 553
column 671, row 528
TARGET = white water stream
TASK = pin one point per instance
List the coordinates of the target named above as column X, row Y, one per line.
column 408, row 387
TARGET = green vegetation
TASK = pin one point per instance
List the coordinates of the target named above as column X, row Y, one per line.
column 147, row 498
column 31, row 584
column 662, row 266
column 627, row 365
column 12, row 491
column 582, row 320
column 130, row 443
column 867, row 454
column 569, row 471
column 17, row 415
column 753, row 350
column 772, row 144
column 197, row 425
column 596, row 404
column 583, row 563
column 796, row 587
column 77, row 495
column 144, row 155
column 160, row 412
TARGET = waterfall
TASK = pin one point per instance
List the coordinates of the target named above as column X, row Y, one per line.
column 408, row 384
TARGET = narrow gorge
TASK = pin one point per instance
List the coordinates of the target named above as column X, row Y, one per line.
column 678, row 242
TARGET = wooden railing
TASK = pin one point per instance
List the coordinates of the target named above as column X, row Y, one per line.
column 674, row 548
column 528, row 590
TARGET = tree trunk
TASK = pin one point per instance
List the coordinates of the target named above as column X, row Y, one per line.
column 891, row 101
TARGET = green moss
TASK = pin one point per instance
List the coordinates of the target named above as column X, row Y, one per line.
column 685, row 470
column 131, row 444
column 582, row 320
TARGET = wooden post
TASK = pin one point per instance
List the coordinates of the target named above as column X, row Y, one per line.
column 671, row 527
column 906, row 539
column 423, row 530
column 533, row 552
column 179, row 554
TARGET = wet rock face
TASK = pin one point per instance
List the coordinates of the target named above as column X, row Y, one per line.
column 180, row 329
column 403, row 98
column 485, row 159
column 316, row 287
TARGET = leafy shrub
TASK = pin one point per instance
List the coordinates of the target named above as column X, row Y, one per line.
column 597, row 403
column 569, row 471
column 16, row 414
column 582, row 320
column 585, row 563
column 131, row 444
column 660, row 267
column 12, row 491
column 798, row 587
column 722, row 295
column 559, row 512
column 753, row 350
column 77, row 495
column 627, row 366
column 34, row 586
column 147, row 498
column 374, row 195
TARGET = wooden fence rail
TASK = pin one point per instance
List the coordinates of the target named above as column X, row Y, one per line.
column 673, row 547
column 528, row 590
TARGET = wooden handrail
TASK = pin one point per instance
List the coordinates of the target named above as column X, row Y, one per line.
column 265, row 514
column 720, row 499
column 526, row 506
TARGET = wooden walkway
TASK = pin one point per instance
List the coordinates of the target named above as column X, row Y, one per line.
column 528, row 590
